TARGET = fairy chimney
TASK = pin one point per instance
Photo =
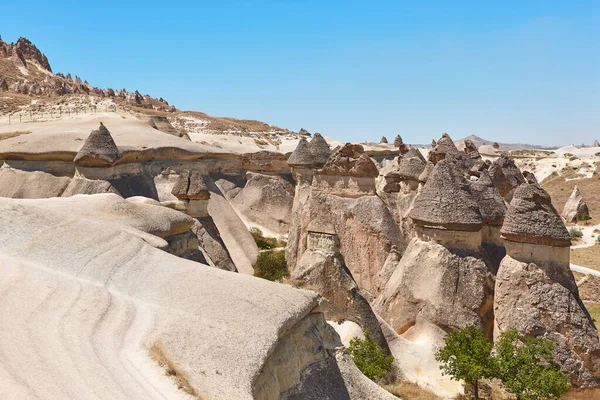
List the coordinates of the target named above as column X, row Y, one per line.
column 445, row 211
column 576, row 208
column 491, row 206
column 443, row 146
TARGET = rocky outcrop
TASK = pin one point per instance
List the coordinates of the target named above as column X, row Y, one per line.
column 432, row 284
column 398, row 141
column 19, row 184
column 348, row 172
column 443, row 147
column 506, row 176
column 99, row 150
column 411, row 165
column 80, row 185
column 265, row 201
column 112, row 292
column 383, row 140
column 541, row 300
column 322, row 270
column 162, row 124
column 575, row 207
column 211, row 244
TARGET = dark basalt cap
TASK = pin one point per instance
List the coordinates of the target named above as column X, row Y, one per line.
column 99, row 149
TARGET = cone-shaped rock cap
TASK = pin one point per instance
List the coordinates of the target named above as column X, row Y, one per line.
column 506, row 176
column 411, row 165
column 190, row 186
column 383, row 140
column 445, row 201
column 98, row 150
column 301, row 157
column 491, row 204
column 398, row 141
column 531, row 218
column 426, row 172
column 351, row 160
column 319, row 150
column 444, row 146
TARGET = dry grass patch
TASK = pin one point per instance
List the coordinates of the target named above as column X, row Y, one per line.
column 8, row 135
column 560, row 190
column 157, row 353
column 409, row 390
column 587, row 257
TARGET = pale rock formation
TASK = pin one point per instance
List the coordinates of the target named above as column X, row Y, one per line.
column 348, row 172
column 162, row 124
column 322, row 270
column 535, row 289
column 595, row 144
column 80, row 185
column 266, row 201
column 443, row 147
column 113, row 297
column 192, row 190
column 99, row 150
column 575, row 207
column 506, row 176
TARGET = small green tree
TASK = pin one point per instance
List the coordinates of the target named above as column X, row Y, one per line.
column 466, row 356
column 524, row 364
column 271, row 265
column 369, row 357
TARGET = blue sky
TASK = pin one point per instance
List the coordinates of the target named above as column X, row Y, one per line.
column 510, row 71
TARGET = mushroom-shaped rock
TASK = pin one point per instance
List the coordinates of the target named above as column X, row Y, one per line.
column 301, row 157
column 191, row 188
column 445, row 201
column 99, row 150
column 531, row 218
column 506, row 176
column 575, row 208
column 350, row 160
column 444, row 146
column 319, row 150
column 411, row 165
column 491, row 204
column 398, row 141
column 383, row 140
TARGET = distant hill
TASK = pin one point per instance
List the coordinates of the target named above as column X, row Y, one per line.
column 503, row 146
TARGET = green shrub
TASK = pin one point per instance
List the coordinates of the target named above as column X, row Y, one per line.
column 370, row 359
column 262, row 242
column 525, row 366
column 271, row 265
column 575, row 233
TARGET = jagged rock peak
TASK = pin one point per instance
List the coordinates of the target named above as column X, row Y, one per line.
column 351, row 160
column 190, row 186
column 575, row 208
column 491, row 204
column 531, row 218
column 319, row 150
column 25, row 51
column 301, row 157
column 383, row 140
column 99, row 149
column 411, row 164
column 303, row 132
column 398, row 141
column 444, row 146
column 445, row 201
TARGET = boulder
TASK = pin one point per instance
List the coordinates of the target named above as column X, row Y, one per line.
column 575, row 207
column 265, row 201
